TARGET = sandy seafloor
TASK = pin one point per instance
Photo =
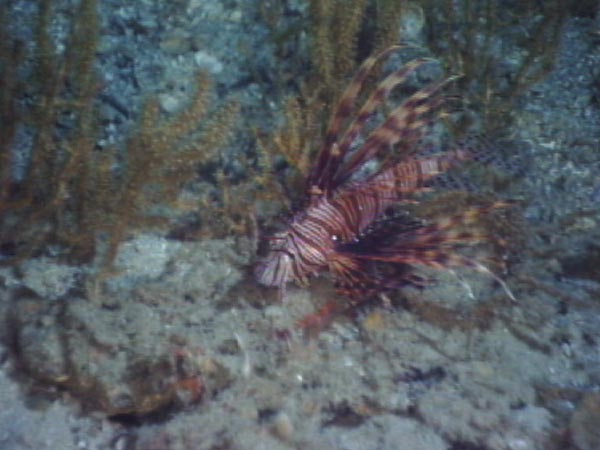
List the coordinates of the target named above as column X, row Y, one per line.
column 182, row 351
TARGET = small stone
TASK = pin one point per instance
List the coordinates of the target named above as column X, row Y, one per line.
column 282, row 426
column 412, row 21
column 48, row 279
column 236, row 16
column 169, row 103
column 175, row 45
column 208, row 62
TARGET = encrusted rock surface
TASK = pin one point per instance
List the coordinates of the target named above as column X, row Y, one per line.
column 179, row 349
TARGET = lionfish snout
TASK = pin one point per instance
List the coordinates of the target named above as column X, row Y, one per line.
column 274, row 270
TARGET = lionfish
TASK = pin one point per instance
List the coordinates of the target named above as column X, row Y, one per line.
column 346, row 207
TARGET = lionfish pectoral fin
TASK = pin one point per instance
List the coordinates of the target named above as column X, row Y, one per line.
column 360, row 278
column 436, row 246
column 379, row 275
column 348, row 272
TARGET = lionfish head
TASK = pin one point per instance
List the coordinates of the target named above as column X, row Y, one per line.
column 275, row 269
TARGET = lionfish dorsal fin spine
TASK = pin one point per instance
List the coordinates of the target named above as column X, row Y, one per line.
column 405, row 123
column 327, row 161
column 376, row 99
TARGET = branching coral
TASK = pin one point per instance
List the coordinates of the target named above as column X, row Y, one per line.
column 500, row 49
column 68, row 191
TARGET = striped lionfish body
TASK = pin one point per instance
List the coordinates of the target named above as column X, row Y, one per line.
column 344, row 209
column 313, row 240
